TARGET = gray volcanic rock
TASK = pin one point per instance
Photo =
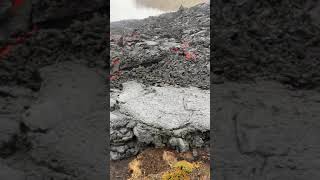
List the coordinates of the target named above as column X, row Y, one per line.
column 160, row 95
column 161, row 116
column 179, row 143
column 170, row 49
column 166, row 107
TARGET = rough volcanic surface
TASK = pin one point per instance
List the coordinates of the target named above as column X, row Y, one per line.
column 158, row 116
column 160, row 77
column 52, row 102
column 171, row 49
column 265, row 105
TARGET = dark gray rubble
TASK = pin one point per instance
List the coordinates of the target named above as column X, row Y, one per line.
column 155, row 49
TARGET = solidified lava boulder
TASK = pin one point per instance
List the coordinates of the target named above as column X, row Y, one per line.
column 159, row 116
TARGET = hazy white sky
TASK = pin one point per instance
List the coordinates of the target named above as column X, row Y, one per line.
column 127, row 9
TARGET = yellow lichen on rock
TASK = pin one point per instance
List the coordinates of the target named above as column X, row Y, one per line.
column 180, row 171
column 175, row 174
column 184, row 170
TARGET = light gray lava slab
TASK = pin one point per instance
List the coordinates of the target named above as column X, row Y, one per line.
column 166, row 107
